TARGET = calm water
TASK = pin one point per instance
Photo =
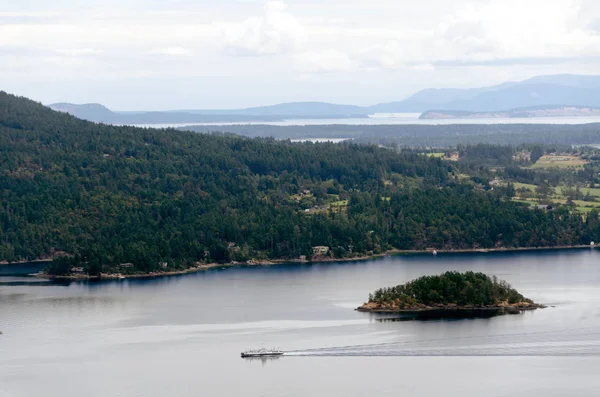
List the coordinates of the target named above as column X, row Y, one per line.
column 399, row 119
column 181, row 336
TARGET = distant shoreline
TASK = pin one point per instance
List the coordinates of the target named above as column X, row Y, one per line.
column 275, row 262
column 488, row 250
column 23, row 262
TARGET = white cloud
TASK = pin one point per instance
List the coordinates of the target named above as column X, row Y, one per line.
column 75, row 52
column 276, row 31
column 28, row 14
column 392, row 47
column 323, row 61
column 171, row 51
column 515, row 28
column 488, row 32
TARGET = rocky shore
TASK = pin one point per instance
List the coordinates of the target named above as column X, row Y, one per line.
column 502, row 308
column 325, row 259
column 203, row 267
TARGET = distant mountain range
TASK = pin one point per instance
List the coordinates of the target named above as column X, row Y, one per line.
column 101, row 114
column 541, row 93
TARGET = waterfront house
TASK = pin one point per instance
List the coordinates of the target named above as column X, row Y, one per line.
column 320, row 250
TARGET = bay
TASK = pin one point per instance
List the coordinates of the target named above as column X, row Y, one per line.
column 182, row 335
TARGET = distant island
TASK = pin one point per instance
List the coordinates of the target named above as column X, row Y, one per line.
column 536, row 111
column 542, row 93
column 300, row 110
column 449, row 292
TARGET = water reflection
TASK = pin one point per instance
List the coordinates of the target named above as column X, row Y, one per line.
column 445, row 315
column 262, row 360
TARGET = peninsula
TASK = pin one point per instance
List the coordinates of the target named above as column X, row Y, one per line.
column 534, row 111
column 450, row 292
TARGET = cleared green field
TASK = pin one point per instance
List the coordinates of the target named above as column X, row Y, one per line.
column 584, row 210
column 579, row 203
column 341, row 203
column 585, row 190
column 435, row 154
column 528, row 186
column 525, row 201
column 560, row 190
column 559, row 162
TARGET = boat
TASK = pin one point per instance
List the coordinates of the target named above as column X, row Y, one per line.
column 262, row 353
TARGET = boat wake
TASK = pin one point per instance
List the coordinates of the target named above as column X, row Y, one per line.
column 573, row 342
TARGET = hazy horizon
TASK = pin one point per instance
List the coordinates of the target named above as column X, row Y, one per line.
column 182, row 54
column 293, row 102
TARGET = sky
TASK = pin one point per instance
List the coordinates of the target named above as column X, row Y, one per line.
column 214, row 54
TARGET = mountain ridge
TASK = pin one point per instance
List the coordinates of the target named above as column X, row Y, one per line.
column 568, row 89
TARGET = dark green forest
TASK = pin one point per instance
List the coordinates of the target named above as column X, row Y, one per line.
column 437, row 136
column 101, row 195
column 450, row 288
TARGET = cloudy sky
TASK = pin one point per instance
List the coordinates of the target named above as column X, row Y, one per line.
column 174, row 54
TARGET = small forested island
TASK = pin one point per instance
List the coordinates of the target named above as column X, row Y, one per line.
column 451, row 291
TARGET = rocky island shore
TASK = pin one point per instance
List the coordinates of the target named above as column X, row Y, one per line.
column 501, row 308
column 450, row 294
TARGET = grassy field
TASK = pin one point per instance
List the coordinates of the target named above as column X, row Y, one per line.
column 595, row 192
column 560, row 190
column 584, row 210
column 341, row 203
column 530, row 202
column 559, row 162
column 435, row 154
column 583, row 207
column 579, row 203
column 528, row 186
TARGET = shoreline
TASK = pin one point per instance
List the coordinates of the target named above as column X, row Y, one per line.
column 492, row 250
column 275, row 262
column 449, row 309
column 7, row 263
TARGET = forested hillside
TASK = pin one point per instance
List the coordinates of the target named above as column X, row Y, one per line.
column 439, row 136
column 107, row 195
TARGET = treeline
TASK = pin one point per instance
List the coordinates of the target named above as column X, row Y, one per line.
column 437, row 136
column 459, row 217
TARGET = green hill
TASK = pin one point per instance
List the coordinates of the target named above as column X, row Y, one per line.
column 120, row 194
column 106, row 195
